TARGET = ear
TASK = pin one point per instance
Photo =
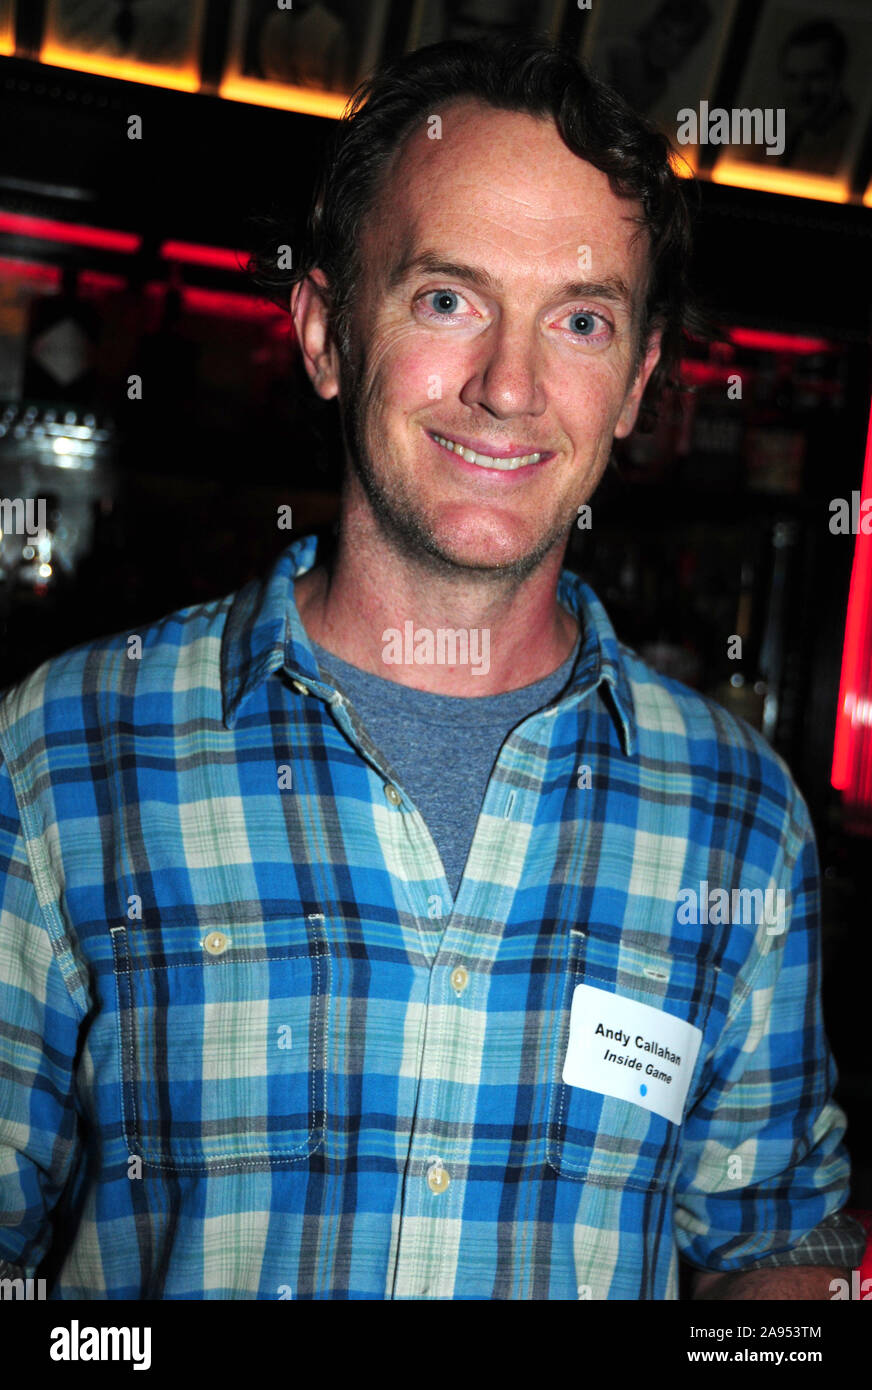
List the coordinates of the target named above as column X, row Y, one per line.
column 309, row 313
column 633, row 399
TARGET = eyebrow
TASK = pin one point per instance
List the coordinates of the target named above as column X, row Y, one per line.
column 611, row 287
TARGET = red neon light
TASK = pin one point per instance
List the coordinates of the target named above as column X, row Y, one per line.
column 776, row 342
column 29, row 270
column 96, row 280
column 227, row 305
column 695, row 373
column 70, row 233
column 852, row 747
column 191, row 254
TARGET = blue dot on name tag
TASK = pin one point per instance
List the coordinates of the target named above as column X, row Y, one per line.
column 643, row 1090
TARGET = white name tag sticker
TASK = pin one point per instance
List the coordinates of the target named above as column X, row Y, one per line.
column 618, row 1047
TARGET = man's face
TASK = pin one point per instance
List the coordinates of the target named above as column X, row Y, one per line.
column 810, row 77
column 497, row 313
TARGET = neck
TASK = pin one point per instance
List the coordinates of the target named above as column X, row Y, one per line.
column 509, row 632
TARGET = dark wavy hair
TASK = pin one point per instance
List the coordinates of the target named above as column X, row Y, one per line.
column 526, row 75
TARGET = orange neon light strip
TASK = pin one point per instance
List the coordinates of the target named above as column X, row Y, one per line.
column 307, row 101
column 787, row 181
column 311, row 102
column 853, row 740
column 180, row 79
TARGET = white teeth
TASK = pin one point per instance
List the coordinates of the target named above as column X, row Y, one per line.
column 486, row 460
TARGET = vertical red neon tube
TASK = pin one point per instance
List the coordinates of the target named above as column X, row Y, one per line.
column 852, row 748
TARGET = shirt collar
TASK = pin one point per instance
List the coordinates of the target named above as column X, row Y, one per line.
column 264, row 632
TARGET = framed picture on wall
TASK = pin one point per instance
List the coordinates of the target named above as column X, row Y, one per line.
column 149, row 33
column 317, row 45
column 434, row 20
column 809, row 67
column 664, row 56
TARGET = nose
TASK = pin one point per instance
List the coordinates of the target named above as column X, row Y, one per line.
column 506, row 379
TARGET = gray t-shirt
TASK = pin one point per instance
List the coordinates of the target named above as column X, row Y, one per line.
column 443, row 747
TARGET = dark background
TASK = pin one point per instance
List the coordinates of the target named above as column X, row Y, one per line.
column 715, row 524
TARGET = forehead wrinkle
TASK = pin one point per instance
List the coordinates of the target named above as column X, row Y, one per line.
column 603, row 215
column 520, row 183
column 495, row 203
column 541, row 229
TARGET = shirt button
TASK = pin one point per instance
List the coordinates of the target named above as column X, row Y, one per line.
column 216, row 943
column 437, row 1178
column 393, row 796
column 459, row 979
column 298, row 685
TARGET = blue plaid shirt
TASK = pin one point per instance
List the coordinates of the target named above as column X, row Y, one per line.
column 242, row 1056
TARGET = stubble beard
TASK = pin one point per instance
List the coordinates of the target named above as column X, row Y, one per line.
column 399, row 520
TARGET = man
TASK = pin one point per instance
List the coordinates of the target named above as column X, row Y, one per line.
column 641, row 65
column 812, row 59
column 820, row 116
column 343, row 924
column 305, row 45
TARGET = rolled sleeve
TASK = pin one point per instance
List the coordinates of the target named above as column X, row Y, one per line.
column 38, row 1039
column 764, row 1169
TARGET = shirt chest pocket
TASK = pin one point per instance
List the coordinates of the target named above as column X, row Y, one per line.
column 223, row 1040
column 642, row 1052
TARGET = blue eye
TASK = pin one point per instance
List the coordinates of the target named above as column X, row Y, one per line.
column 583, row 323
column 444, row 301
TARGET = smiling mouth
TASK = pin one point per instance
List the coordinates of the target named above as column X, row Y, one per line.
column 503, row 465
